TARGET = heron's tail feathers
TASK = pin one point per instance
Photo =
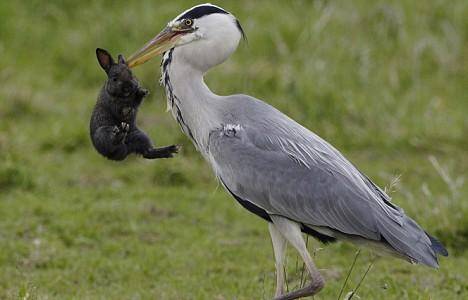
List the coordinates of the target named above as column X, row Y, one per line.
column 410, row 240
column 437, row 246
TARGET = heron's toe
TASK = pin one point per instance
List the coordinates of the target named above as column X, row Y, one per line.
column 312, row 289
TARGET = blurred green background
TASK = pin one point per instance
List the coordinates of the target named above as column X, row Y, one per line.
column 386, row 82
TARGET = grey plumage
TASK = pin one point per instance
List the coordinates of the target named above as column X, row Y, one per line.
column 266, row 158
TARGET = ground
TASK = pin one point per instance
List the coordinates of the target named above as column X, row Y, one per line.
column 383, row 82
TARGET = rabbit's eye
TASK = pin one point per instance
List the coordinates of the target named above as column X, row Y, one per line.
column 114, row 79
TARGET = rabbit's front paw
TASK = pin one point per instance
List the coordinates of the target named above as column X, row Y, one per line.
column 141, row 93
column 125, row 127
column 119, row 134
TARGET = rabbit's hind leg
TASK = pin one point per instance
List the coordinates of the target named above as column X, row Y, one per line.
column 161, row 152
column 137, row 141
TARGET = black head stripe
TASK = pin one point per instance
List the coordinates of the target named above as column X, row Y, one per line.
column 200, row 11
column 241, row 30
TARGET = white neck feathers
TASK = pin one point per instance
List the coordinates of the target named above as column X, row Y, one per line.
column 191, row 102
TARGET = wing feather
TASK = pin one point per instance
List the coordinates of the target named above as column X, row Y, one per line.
column 284, row 181
column 285, row 169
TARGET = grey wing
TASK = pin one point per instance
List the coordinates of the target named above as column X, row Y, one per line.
column 293, row 173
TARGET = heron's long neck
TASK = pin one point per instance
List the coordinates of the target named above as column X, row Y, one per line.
column 192, row 103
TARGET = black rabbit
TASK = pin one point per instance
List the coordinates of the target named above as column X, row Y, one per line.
column 113, row 123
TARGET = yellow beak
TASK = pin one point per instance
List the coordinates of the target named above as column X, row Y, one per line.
column 164, row 41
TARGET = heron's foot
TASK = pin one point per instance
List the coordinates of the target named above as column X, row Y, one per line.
column 310, row 290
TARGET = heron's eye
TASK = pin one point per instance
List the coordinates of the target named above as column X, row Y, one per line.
column 188, row 22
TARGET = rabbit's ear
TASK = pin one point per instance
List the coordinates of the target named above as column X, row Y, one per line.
column 104, row 59
column 122, row 60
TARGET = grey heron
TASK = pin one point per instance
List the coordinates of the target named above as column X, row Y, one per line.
column 273, row 166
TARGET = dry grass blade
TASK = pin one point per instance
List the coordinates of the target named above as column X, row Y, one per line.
column 444, row 174
column 360, row 282
column 349, row 273
column 301, row 284
column 391, row 188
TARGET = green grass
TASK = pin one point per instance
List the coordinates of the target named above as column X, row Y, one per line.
column 384, row 82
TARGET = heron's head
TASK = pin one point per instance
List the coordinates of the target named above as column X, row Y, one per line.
column 204, row 36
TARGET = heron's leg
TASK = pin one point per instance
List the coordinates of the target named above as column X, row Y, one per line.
column 292, row 232
column 279, row 250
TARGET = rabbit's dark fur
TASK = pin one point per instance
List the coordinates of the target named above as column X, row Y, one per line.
column 113, row 123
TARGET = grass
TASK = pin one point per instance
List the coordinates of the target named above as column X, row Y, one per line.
column 384, row 82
